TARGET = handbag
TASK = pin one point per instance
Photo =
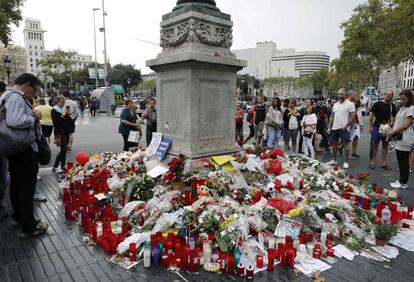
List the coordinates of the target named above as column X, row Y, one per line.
column 133, row 137
column 308, row 134
column 13, row 140
column 43, row 150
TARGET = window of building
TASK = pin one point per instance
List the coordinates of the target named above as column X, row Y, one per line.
column 31, row 59
column 35, row 53
column 40, row 36
column 41, row 48
column 30, row 53
column 35, row 46
column 404, row 84
column 30, row 46
column 31, row 65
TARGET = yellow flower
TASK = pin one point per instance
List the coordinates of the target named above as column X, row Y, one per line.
column 295, row 212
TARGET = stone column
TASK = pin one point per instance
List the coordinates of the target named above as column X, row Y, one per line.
column 196, row 80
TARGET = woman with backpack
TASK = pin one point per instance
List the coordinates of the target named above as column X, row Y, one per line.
column 291, row 125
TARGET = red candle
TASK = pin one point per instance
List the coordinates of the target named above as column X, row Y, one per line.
column 223, row 258
column 270, row 264
column 302, row 238
column 193, row 261
column 290, row 258
column 184, row 259
column 250, row 273
column 164, row 260
column 240, row 270
column 282, row 253
column 317, row 253
column 330, row 252
column 133, row 252
column 230, row 265
column 259, row 261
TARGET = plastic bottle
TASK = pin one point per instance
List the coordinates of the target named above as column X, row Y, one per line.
column 385, row 215
column 147, row 254
column 192, row 242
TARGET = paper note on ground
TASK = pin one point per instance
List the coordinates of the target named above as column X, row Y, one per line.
column 223, row 161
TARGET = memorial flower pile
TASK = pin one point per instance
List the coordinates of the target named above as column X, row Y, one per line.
column 267, row 209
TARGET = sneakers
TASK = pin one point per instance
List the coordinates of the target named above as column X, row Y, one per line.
column 57, row 170
column 398, row 185
column 345, row 165
column 333, row 162
column 39, row 197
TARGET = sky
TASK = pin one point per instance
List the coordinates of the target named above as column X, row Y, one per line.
column 306, row 25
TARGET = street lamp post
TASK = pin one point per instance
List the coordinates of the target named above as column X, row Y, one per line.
column 96, row 56
column 104, row 32
column 7, row 64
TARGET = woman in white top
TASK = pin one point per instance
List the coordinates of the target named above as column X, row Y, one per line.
column 309, row 122
column 403, row 134
column 273, row 123
column 356, row 128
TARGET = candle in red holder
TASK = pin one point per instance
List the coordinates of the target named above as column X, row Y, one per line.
column 177, row 249
column 132, row 251
column 290, row 257
column 250, row 272
column 223, row 258
column 302, row 238
column 282, row 253
column 230, row 265
column 184, row 259
column 259, row 261
column 330, row 252
column 270, row 260
column 240, row 269
column 169, row 247
column 193, row 261
column 211, row 236
column 317, row 253
column 164, row 260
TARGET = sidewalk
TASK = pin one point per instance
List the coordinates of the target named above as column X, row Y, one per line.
column 64, row 257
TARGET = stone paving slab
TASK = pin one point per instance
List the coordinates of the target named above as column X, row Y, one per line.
column 63, row 257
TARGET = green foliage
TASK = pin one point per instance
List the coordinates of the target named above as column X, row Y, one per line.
column 149, row 85
column 378, row 35
column 10, row 13
column 385, row 231
column 121, row 74
column 58, row 65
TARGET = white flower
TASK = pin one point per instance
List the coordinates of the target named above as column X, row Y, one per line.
column 223, row 233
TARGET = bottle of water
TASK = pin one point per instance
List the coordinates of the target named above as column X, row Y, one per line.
column 386, row 215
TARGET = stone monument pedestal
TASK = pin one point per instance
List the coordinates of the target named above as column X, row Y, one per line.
column 196, row 81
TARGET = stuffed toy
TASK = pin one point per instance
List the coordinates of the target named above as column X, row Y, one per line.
column 202, row 191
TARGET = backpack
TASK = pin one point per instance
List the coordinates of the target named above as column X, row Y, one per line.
column 249, row 116
column 12, row 140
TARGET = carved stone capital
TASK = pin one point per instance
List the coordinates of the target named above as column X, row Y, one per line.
column 194, row 30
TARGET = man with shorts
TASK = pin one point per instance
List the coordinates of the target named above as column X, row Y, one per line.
column 382, row 114
column 343, row 113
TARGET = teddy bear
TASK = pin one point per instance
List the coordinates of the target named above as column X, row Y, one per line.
column 202, row 191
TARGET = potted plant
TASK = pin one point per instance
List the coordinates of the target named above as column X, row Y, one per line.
column 384, row 233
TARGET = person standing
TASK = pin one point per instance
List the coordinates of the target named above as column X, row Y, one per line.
column 382, row 115
column 3, row 170
column 302, row 112
column 342, row 117
column 82, row 106
column 250, row 121
column 259, row 118
column 94, row 106
column 356, row 128
column 291, row 125
column 322, row 113
column 74, row 114
column 62, row 123
column 273, row 123
column 24, row 166
column 309, row 122
column 403, row 134
column 128, row 123
column 150, row 115
column 46, row 120
column 239, row 124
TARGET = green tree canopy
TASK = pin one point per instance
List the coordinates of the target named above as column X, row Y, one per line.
column 10, row 13
column 121, row 74
column 58, row 65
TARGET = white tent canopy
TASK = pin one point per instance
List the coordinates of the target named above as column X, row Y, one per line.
column 106, row 97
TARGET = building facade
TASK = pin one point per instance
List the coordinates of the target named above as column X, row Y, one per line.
column 266, row 61
column 149, row 76
column 34, row 44
column 397, row 79
column 17, row 56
